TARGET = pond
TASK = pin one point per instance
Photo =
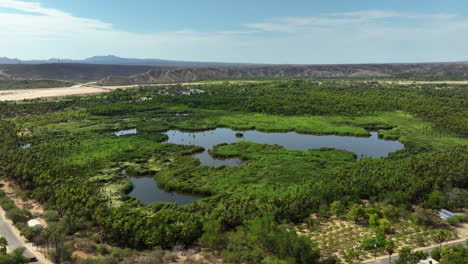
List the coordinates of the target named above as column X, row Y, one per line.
column 126, row 132
column 25, row 146
column 372, row 146
column 146, row 189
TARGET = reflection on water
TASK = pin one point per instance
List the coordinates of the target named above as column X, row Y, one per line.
column 25, row 146
column 371, row 146
column 147, row 191
column 126, row 132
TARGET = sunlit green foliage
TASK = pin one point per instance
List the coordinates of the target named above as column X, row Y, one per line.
column 75, row 157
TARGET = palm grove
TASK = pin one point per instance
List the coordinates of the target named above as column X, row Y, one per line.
column 72, row 142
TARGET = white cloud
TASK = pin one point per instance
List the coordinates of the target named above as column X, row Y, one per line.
column 31, row 7
column 358, row 18
column 348, row 37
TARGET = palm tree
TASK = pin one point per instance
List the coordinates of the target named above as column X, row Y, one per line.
column 390, row 248
column 3, row 245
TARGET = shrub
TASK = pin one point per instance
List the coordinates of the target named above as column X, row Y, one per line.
column 212, row 233
column 423, row 217
column 18, row 215
column 370, row 242
column 86, row 245
column 157, row 256
column 456, row 219
column 7, row 204
column 384, row 226
column 374, row 220
column 31, row 232
column 90, row 261
column 452, row 254
column 435, row 254
column 453, row 220
column 102, row 249
column 238, row 249
column 391, row 212
column 119, row 254
column 15, row 257
column 435, row 199
column 273, row 260
column 261, row 235
column 406, row 256
column 324, row 211
column 51, row 216
column 355, row 213
column 26, row 195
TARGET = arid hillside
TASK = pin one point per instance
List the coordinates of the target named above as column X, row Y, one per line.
column 132, row 74
column 175, row 75
column 67, row 71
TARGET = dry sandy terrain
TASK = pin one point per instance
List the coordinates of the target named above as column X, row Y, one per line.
column 80, row 89
column 91, row 88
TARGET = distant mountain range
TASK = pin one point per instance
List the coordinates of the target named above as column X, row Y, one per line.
column 191, row 74
column 111, row 70
column 114, row 60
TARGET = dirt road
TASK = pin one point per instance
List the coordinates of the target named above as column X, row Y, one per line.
column 4, row 74
column 12, row 235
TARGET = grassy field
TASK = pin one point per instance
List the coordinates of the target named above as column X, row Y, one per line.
column 391, row 125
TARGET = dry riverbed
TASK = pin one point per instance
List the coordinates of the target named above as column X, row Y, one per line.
column 26, row 94
column 79, row 89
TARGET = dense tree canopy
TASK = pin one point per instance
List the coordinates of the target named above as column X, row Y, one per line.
column 61, row 166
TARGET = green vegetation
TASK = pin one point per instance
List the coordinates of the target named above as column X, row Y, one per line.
column 365, row 226
column 249, row 212
column 450, row 255
column 16, row 257
column 457, row 219
column 18, row 216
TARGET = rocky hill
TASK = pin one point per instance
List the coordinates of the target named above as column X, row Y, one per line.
column 67, row 71
column 179, row 75
column 107, row 74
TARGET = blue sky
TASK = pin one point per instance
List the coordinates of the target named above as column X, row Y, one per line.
column 262, row 31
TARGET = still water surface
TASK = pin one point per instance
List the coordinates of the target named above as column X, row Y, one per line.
column 371, row 146
column 147, row 190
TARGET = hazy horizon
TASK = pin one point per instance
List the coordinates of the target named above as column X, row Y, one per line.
column 227, row 62
column 263, row 32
